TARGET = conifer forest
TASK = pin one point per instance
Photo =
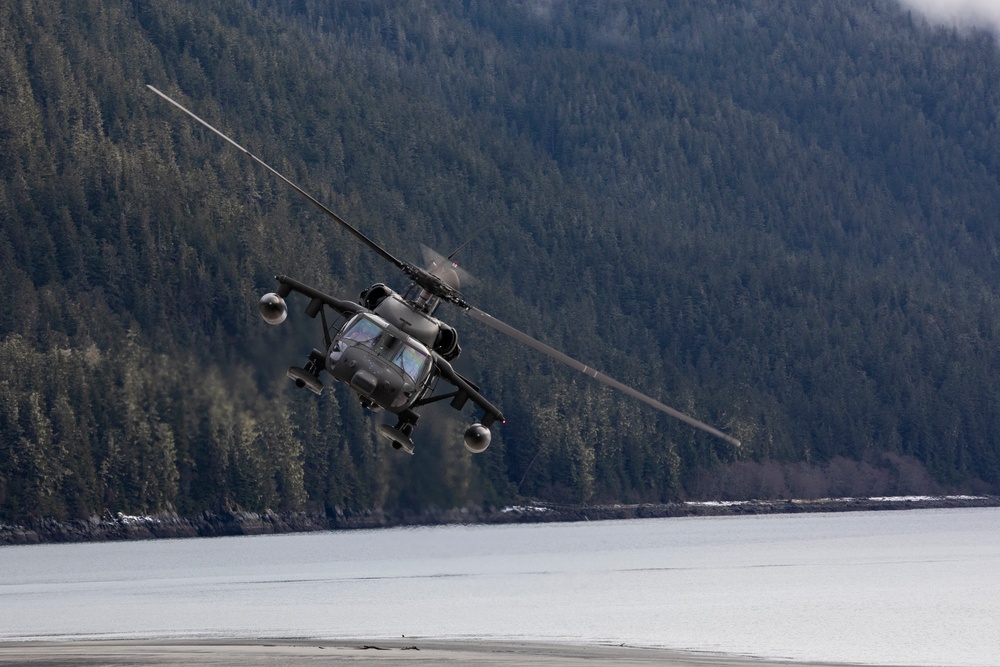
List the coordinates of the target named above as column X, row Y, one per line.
column 780, row 217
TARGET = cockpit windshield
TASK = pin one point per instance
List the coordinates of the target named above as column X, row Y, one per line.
column 411, row 360
column 406, row 354
column 363, row 332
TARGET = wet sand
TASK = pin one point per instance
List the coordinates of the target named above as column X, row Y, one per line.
column 406, row 652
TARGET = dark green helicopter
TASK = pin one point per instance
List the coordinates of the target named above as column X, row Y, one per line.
column 391, row 350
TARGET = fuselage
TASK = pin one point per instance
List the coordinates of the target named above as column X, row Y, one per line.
column 381, row 362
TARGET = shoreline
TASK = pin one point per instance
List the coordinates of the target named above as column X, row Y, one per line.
column 385, row 652
column 233, row 523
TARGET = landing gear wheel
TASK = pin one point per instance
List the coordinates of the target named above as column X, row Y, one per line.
column 399, row 439
column 304, row 378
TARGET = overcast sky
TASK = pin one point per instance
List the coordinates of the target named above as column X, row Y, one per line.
column 981, row 13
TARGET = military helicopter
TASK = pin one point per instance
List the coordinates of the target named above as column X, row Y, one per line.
column 392, row 350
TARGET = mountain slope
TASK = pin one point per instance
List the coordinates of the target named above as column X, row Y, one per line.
column 780, row 218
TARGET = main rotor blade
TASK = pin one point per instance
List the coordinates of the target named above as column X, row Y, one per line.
column 364, row 239
column 522, row 337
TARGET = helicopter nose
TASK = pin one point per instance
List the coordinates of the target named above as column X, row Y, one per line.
column 364, row 382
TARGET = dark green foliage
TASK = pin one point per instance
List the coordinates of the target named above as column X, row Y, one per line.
column 780, row 217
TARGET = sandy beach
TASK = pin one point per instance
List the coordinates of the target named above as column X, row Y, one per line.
column 298, row 652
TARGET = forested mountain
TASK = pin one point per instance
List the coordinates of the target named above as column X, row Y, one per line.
column 780, row 217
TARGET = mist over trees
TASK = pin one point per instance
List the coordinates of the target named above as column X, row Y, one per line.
column 779, row 217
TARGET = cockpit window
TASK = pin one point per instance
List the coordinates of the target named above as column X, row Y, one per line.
column 411, row 360
column 363, row 332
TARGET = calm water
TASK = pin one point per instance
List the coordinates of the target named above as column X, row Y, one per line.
column 914, row 587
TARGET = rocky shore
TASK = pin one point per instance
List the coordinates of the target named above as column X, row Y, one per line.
column 383, row 652
column 211, row 524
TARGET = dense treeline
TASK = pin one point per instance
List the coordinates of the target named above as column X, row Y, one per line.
column 780, row 217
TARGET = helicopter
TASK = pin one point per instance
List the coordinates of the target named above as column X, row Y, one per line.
column 392, row 350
